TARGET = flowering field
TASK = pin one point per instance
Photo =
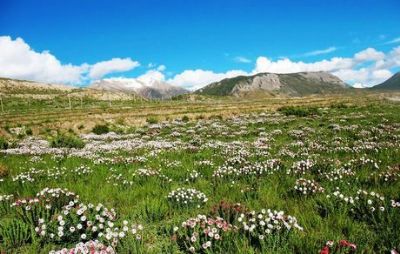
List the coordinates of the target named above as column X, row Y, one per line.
column 323, row 181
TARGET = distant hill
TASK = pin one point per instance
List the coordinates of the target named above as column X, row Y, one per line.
column 151, row 89
column 293, row 84
column 392, row 83
column 16, row 86
column 37, row 90
column 106, row 89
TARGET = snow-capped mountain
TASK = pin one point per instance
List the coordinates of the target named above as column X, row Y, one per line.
column 146, row 88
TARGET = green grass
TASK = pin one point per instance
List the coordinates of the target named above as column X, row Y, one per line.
column 364, row 132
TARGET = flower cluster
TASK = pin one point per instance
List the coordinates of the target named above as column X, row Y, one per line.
column 144, row 173
column 82, row 170
column 395, row 204
column 228, row 211
column 192, row 176
column 90, row 247
column 46, row 203
column 81, row 222
column 369, row 201
column 201, row 233
column 308, row 187
column 257, row 169
column 338, row 174
column 117, row 178
column 260, row 225
column 392, row 174
column 366, row 206
column 301, row 167
column 340, row 246
column 187, row 196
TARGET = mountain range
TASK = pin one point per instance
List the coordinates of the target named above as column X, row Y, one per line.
column 290, row 85
column 151, row 89
column 293, row 84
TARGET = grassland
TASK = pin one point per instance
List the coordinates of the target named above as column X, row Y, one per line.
column 331, row 164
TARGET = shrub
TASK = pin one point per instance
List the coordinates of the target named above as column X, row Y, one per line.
column 200, row 117
column 3, row 143
column 185, row 119
column 3, row 170
column 100, row 129
column 67, row 141
column 152, row 120
column 29, row 132
column 340, row 105
column 298, row 111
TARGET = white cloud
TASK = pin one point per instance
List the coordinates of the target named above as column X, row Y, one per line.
column 152, row 75
column 18, row 60
column 394, row 41
column 161, row 68
column 242, row 59
column 358, row 85
column 263, row 64
column 320, row 51
column 196, row 79
column 103, row 68
column 369, row 54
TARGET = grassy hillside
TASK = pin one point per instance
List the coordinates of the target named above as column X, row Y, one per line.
column 293, row 84
column 297, row 85
column 223, row 87
column 392, row 83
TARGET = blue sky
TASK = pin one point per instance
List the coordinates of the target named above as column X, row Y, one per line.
column 215, row 36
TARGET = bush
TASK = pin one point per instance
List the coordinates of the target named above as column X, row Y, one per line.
column 298, row 111
column 340, row 105
column 152, row 120
column 100, row 129
column 3, row 171
column 67, row 141
column 185, row 119
column 29, row 132
column 3, row 143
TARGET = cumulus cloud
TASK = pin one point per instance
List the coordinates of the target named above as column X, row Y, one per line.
column 196, row 79
column 18, row 60
column 103, row 68
column 320, row 51
column 152, row 75
column 369, row 54
column 263, row 64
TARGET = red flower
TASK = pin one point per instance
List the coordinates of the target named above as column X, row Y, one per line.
column 344, row 243
column 324, row 250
